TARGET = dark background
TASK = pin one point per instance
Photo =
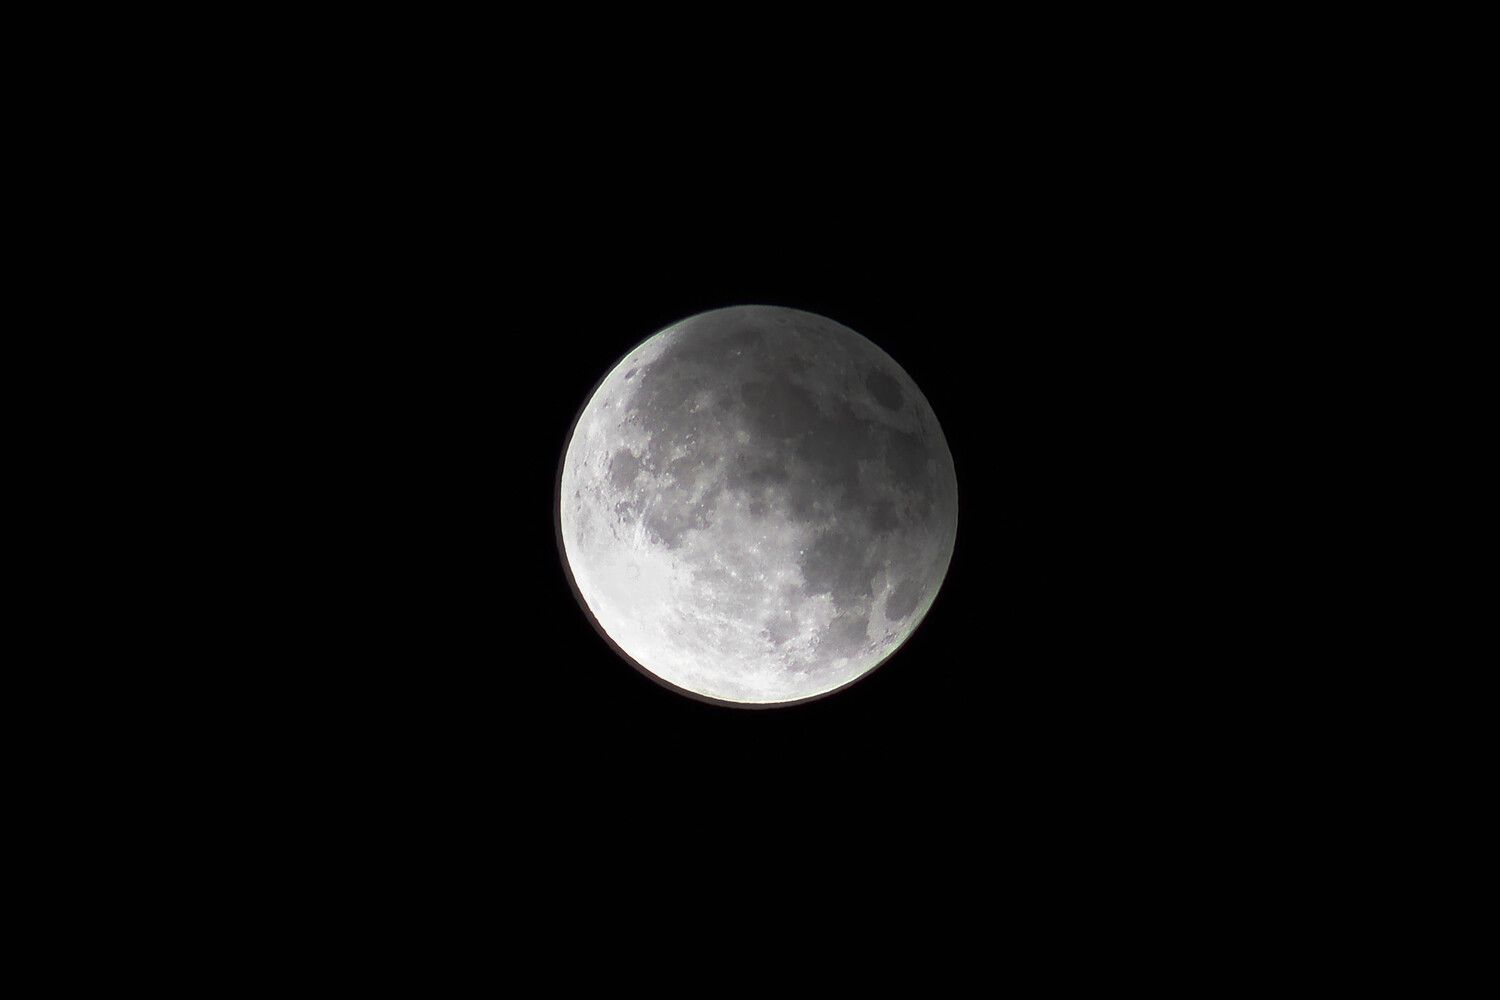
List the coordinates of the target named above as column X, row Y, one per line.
column 383, row 274
column 1061, row 664
column 434, row 293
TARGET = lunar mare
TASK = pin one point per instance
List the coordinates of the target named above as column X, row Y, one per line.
column 757, row 505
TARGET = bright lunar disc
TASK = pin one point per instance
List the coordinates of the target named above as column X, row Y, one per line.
column 757, row 505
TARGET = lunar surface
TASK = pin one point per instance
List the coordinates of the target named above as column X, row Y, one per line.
column 757, row 505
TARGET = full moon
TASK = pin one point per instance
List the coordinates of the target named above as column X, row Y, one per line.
column 757, row 506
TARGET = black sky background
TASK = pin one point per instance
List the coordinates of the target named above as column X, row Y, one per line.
column 434, row 294
column 1062, row 660
column 378, row 267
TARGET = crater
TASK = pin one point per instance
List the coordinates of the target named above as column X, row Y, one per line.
column 717, row 344
column 884, row 388
column 681, row 469
column 779, row 630
column 779, row 409
column 623, row 468
column 833, row 447
column 906, row 456
column 903, row 600
column 845, row 635
column 752, row 470
column 835, row 564
column 883, row 517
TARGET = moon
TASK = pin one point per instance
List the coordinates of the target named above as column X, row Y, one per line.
column 757, row 506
